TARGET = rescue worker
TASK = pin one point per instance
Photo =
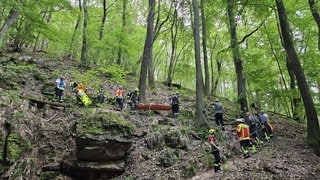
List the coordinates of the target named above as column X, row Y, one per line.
column 255, row 128
column 133, row 97
column 119, row 97
column 175, row 103
column 59, row 88
column 218, row 114
column 263, row 118
column 100, row 98
column 81, row 90
column 243, row 132
column 214, row 150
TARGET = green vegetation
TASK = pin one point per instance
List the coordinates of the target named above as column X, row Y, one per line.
column 105, row 123
column 17, row 146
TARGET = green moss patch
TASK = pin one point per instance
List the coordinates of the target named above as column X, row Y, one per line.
column 105, row 123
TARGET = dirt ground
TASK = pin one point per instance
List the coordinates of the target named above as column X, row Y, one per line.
column 286, row 156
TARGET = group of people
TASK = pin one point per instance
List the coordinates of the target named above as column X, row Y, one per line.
column 77, row 87
column 252, row 132
column 132, row 98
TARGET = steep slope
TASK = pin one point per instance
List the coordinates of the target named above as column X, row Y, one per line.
column 42, row 142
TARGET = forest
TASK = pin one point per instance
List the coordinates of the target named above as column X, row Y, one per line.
column 260, row 54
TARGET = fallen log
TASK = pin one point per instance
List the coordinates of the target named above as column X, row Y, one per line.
column 40, row 102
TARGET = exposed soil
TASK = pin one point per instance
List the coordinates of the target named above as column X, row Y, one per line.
column 286, row 156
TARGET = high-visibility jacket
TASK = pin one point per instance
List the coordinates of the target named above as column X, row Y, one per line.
column 271, row 128
column 243, row 131
column 119, row 94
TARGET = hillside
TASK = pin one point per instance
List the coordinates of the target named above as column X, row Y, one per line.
column 75, row 142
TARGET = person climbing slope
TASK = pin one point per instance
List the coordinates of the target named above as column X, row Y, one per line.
column 218, row 114
column 214, row 150
column 243, row 132
column 175, row 105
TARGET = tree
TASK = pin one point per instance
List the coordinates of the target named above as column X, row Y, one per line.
column 11, row 19
column 199, row 80
column 124, row 12
column 84, row 35
column 173, row 35
column 242, row 98
column 316, row 17
column 147, row 51
column 313, row 130
column 205, row 53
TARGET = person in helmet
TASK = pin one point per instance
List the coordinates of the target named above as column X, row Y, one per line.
column 175, row 103
column 133, row 99
column 243, row 132
column 214, row 150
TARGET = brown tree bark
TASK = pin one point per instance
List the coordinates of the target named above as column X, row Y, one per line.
column 199, row 79
column 146, row 52
column 313, row 130
column 173, row 33
column 204, row 51
column 76, row 27
column 316, row 16
column 123, row 30
column 11, row 19
column 242, row 97
column 84, row 49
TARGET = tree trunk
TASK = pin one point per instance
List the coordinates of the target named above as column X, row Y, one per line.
column 76, row 27
column 124, row 11
column 199, row 80
column 84, row 50
column 205, row 54
column 242, row 98
column 315, row 13
column 44, row 40
column 173, row 33
column 313, row 130
column 146, row 52
column 11, row 19
column 103, row 20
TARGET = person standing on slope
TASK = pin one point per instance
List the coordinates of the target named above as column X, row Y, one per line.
column 218, row 113
column 175, row 103
column 119, row 97
column 59, row 88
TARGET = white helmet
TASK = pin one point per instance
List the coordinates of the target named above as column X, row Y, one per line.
column 240, row 120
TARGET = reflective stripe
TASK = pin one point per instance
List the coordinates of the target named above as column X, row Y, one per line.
column 243, row 131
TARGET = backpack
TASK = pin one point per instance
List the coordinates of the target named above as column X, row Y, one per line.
column 174, row 100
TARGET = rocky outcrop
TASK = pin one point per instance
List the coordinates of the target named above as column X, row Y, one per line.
column 101, row 148
column 98, row 157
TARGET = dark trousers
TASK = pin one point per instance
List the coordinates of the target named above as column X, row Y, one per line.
column 59, row 93
column 120, row 103
column 219, row 120
column 175, row 110
column 217, row 160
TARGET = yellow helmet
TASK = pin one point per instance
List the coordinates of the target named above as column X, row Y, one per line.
column 137, row 90
column 211, row 131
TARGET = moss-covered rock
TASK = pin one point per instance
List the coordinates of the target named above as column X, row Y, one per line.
column 105, row 123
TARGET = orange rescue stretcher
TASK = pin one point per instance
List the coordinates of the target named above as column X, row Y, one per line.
column 158, row 107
